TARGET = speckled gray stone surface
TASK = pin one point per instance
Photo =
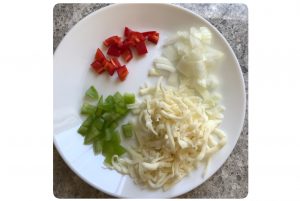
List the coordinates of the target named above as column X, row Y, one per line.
column 231, row 180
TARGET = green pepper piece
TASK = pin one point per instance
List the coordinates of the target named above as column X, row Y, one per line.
column 89, row 138
column 119, row 150
column 92, row 93
column 127, row 130
column 88, row 109
column 108, row 152
column 111, row 116
column 97, row 146
column 113, row 125
column 108, row 159
column 107, row 116
column 115, row 138
column 100, row 106
column 110, row 149
column 109, row 99
column 121, row 109
column 119, row 101
column 108, row 106
column 88, row 122
column 118, row 97
column 98, row 123
column 108, row 134
column 84, row 128
column 107, row 149
column 129, row 98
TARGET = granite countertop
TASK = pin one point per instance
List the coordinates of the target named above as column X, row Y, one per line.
column 231, row 180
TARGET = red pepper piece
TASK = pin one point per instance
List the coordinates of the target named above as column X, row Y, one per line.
column 99, row 56
column 127, row 43
column 154, row 38
column 114, row 50
column 127, row 55
column 122, row 73
column 136, row 37
column 113, row 40
column 147, row 33
column 115, row 62
column 110, row 68
column 98, row 67
column 127, row 31
column 141, row 48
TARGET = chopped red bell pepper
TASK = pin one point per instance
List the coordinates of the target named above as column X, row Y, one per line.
column 141, row 48
column 99, row 56
column 127, row 31
column 148, row 33
column 154, row 38
column 113, row 40
column 117, row 46
column 98, row 67
column 110, row 68
column 114, row 50
column 115, row 62
column 127, row 43
column 122, row 73
column 136, row 37
column 127, row 55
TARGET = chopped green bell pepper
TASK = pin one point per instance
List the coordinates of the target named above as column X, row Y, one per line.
column 88, row 109
column 92, row 93
column 129, row 98
column 127, row 130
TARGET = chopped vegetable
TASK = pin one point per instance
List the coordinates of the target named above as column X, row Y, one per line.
column 84, row 128
column 119, row 150
column 127, row 31
column 153, row 37
column 99, row 123
column 136, row 37
column 141, row 48
column 148, row 33
column 129, row 98
column 110, row 68
column 118, row 47
column 111, row 65
column 191, row 55
column 92, row 93
column 127, row 130
column 99, row 129
column 115, row 138
column 88, row 109
column 127, row 44
column 115, row 62
column 89, row 138
column 113, row 40
column 97, row 146
column 114, row 50
column 99, row 106
column 98, row 67
column 99, row 56
column 127, row 55
column 108, row 134
column 122, row 73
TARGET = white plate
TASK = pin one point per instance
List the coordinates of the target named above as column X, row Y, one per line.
column 72, row 76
